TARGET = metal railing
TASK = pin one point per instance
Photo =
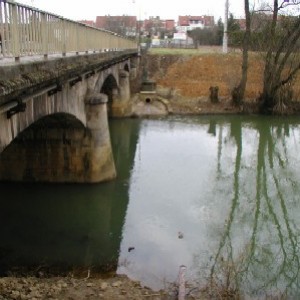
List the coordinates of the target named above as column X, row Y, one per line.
column 26, row 31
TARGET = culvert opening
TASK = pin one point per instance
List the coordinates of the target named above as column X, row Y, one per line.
column 148, row 100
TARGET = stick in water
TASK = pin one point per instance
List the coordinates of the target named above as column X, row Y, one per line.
column 181, row 293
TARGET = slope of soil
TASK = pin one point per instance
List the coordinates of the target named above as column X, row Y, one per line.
column 193, row 76
column 190, row 77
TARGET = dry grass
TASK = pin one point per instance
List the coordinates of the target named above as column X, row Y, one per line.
column 196, row 75
column 188, row 52
column 194, row 71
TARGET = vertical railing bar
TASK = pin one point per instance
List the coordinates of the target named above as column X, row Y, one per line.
column 2, row 28
column 50, row 33
column 66, row 39
column 30, row 31
column 77, row 40
column 15, row 31
column 74, row 45
column 63, row 38
column 7, row 39
column 57, row 36
column 35, row 38
column 82, row 39
column 19, row 27
column 53, row 34
column 44, row 35
column 38, row 33
column 23, row 33
column 74, row 29
column 35, row 30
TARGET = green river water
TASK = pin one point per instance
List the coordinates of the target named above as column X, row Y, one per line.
column 218, row 194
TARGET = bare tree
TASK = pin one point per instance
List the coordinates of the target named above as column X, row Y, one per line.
column 282, row 60
column 238, row 92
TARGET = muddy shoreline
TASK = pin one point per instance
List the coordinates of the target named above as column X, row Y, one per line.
column 61, row 288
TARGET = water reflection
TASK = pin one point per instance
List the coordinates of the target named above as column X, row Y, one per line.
column 267, row 260
column 231, row 185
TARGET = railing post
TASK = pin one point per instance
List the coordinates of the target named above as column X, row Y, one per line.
column 86, row 41
column 14, row 31
column 63, row 36
column 2, row 22
column 77, row 39
column 44, row 37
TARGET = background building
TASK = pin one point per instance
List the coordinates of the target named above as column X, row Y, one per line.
column 154, row 26
column 188, row 23
column 123, row 25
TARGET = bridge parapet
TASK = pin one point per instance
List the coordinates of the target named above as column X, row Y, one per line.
column 26, row 30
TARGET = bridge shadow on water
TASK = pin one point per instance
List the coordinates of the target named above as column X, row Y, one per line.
column 58, row 227
column 61, row 228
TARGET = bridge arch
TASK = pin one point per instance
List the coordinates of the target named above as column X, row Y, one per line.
column 54, row 149
column 36, row 153
column 115, row 84
column 60, row 138
column 126, row 67
column 111, row 89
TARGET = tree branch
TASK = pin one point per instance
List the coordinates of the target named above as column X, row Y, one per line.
column 290, row 3
column 289, row 77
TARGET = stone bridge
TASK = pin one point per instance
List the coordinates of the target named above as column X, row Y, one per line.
column 54, row 116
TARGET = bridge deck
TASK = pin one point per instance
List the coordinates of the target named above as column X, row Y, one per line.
column 33, row 73
column 10, row 61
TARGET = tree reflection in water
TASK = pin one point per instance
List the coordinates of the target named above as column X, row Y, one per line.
column 267, row 261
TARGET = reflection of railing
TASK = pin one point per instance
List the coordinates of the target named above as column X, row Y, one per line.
column 26, row 31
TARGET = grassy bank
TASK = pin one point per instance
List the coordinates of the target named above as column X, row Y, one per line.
column 192, row 72
column 188, row 52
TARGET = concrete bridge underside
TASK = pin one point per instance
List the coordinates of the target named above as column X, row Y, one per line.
column 60, row 133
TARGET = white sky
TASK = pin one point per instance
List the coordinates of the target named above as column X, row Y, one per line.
column 89, row 9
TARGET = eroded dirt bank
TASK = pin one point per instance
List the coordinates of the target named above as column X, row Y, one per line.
column 185, row 81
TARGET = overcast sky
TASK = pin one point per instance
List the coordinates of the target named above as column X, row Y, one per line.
column 166, row 9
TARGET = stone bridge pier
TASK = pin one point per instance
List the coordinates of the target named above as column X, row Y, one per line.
column 61, row 133
column 121, row 96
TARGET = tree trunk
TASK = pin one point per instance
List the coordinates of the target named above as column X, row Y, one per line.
column 267, row 97
column 281, row 65
column 238, row 92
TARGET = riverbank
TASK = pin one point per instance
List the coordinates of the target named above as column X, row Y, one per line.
column 62, row 288
column 185, row 78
